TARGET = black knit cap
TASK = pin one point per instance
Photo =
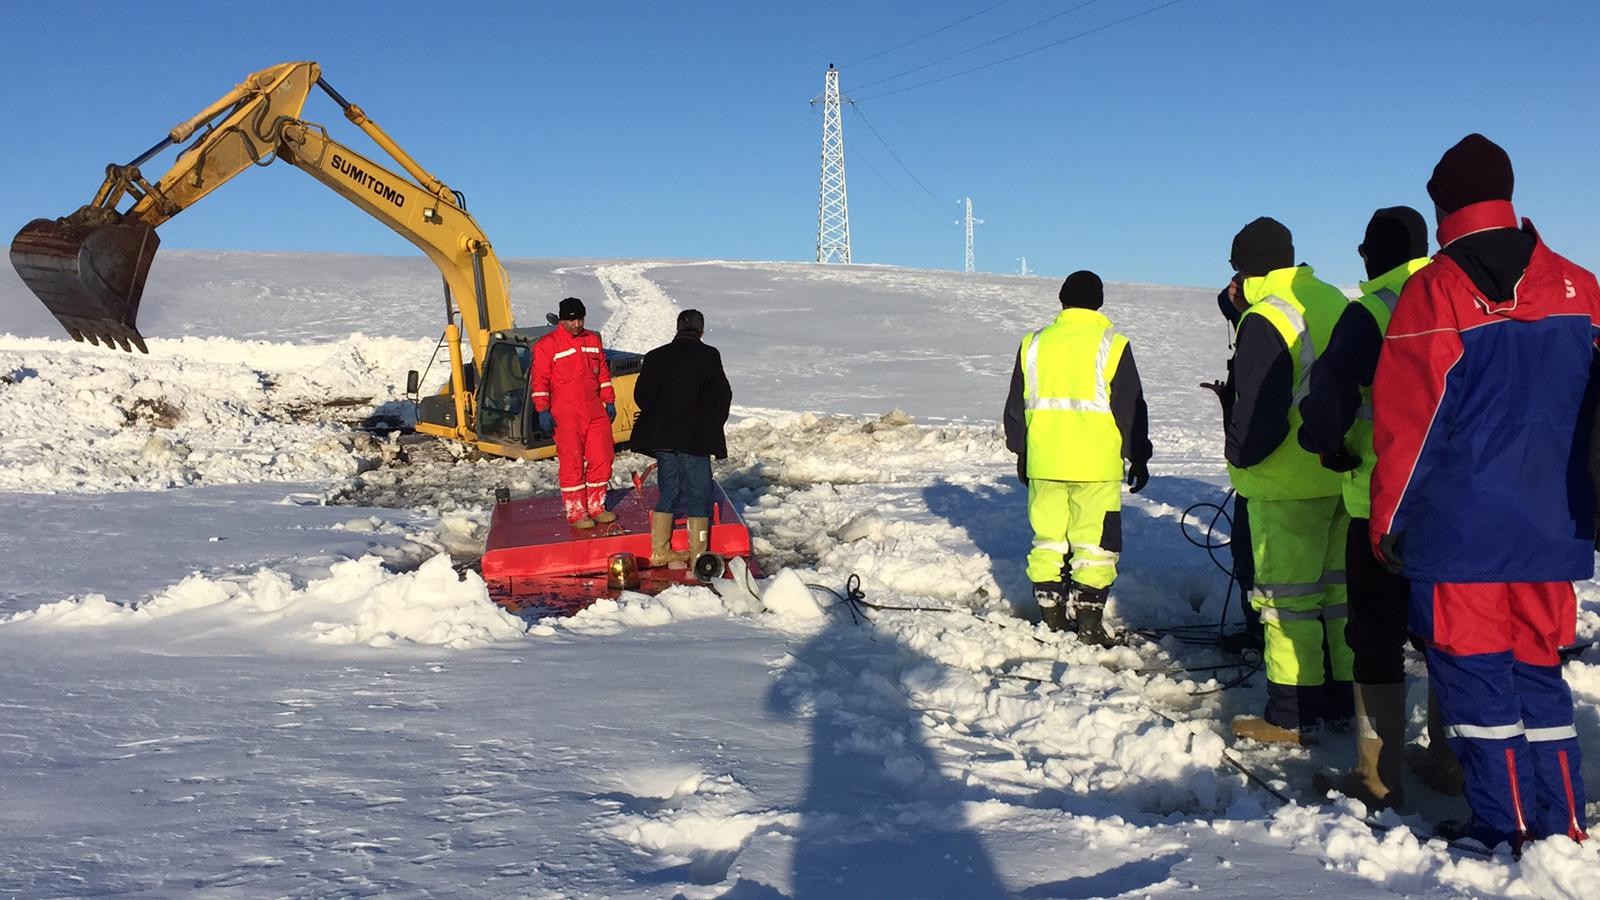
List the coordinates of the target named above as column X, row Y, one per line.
column 1262, row 246
column 1474, row 170
column 1082, row 290
column 571, row 308
column 1395, row 235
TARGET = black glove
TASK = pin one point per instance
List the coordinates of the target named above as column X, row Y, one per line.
column 547, row 422
column 1022, row 468
column 1138, row 476
column 1388, row 553
column 1224, row 395
column 611, row 411
column 1340, row 460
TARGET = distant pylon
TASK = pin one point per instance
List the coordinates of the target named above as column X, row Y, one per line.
column 833, row 202
column 969, row 221
column 1024, row 261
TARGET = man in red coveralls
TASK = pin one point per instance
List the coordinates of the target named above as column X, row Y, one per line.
column 1482, row 405
column 571, row 388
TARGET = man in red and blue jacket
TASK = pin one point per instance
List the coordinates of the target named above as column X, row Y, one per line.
column 1482, row 408
column 571, row 387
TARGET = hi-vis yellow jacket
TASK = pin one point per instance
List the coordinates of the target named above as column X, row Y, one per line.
column 1298, row 311
column 1076, row 407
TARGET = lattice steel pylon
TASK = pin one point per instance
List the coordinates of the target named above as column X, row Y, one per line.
column 833, row 202
column 969, row 221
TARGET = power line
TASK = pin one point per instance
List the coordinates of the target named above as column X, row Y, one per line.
column 897, row 192
column 1046, row 19
column 928, row 35
column 868, row 123
column 1007, row 59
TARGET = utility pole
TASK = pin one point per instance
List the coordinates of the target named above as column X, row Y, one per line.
column 1024, row 260
column 833, row 203
column 969, row 221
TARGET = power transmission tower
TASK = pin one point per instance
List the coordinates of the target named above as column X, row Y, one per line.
column 1024, row 261
column 969, row 221
column 833, row 203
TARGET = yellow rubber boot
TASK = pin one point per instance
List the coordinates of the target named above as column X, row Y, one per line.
column 661, row 552
column 699, row 536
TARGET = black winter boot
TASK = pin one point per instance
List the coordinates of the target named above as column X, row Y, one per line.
column 1089, row 609
column 1052, row 604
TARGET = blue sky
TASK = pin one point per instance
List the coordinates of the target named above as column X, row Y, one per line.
column 682, row 129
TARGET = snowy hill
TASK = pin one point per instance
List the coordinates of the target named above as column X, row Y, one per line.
column 241, row 661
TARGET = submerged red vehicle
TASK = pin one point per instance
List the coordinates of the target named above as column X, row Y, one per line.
column 535, row 563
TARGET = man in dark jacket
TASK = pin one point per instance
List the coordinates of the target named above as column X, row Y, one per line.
column 1481, row 495
column 683, row 398
column 1297, row 519
column 1337, row 426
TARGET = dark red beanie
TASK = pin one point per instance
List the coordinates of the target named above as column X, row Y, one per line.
column 1472, row 171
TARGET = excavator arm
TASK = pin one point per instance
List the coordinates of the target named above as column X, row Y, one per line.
column 89, row 268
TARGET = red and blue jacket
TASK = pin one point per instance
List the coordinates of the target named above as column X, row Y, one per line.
column 1482, row 409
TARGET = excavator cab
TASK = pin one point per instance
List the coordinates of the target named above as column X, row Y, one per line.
column 505, row 421
column 90, row 276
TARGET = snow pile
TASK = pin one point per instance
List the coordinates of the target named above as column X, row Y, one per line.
column 634, row 610
column 788, row 597
column 194, row 412
column 358, row 602
column 1555, row 869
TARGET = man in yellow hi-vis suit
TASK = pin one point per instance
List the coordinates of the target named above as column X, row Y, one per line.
column 1297, row 516
column 1075, row 412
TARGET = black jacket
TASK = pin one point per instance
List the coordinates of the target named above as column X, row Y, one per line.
column 1127, row 407
column 1263, row 391
column 1347, row 366
column 683, row 398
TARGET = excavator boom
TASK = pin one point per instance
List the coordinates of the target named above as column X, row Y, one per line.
column 89, row 268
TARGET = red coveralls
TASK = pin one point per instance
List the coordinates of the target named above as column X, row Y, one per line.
column 570, row 378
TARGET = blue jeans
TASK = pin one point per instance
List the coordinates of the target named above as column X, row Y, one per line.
column 685, row 483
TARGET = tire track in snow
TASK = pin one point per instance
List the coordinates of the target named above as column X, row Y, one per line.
column 643, row 316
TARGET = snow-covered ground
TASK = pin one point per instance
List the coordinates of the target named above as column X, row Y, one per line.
column 240, row 660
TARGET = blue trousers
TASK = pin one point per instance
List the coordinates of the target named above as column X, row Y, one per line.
column 1493, row 657
column 685, row 482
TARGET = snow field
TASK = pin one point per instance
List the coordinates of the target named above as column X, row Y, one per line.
column 338, row 710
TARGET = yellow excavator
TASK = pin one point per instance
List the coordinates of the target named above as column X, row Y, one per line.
column 89, row 268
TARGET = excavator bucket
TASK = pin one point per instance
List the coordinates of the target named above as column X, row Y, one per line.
column 90, row 277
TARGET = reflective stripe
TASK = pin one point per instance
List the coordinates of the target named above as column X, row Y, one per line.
column 596, row 483
column 1102, row 388
column 591, row 349
column 1057, row 546
column 1070, row 405
column 1308, row 350
column 576, row 487
column 1274, row 614
column 1336, row 611
column 1389, row 298
column 1093, row 561
column 605, row 384
column 1484, row 732
column 541, row 393
column 1336, row 576
column 1554, row 733
column 561, row 353
column 1271, row 591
